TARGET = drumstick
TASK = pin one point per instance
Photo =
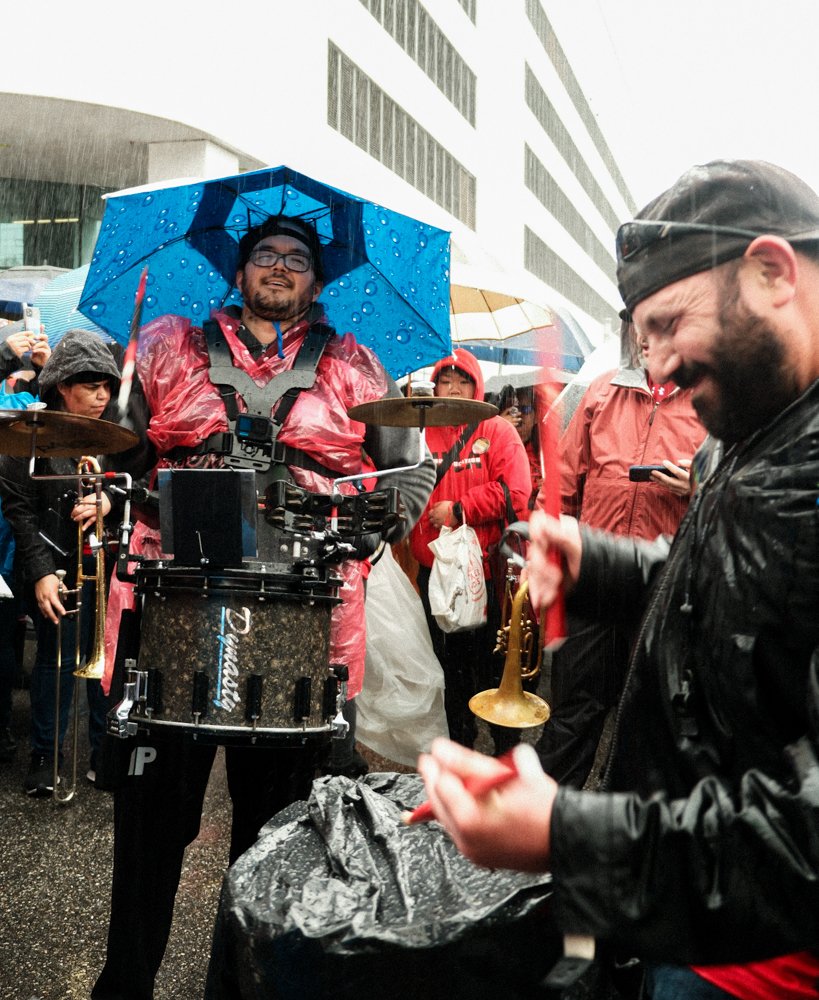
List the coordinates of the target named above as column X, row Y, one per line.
column 129, row 359
column 477, row 786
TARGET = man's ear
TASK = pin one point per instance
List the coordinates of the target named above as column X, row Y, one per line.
column 318, row 288
column 775, row 269
column 240, row 277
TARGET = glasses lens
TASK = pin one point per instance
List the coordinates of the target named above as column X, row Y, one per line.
column 526, row 409
column 296, row 262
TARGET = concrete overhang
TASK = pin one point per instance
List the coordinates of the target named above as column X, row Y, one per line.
column 74, row 142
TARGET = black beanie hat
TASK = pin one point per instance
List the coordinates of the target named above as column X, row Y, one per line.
column 282, row 225
column 732, row 202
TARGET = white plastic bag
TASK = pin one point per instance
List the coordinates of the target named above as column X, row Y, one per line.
column 400, row 709
column 457, row 589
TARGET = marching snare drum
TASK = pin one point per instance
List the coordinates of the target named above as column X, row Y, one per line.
column 238, row 656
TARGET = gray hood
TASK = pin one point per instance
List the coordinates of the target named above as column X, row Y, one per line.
column 78, row 351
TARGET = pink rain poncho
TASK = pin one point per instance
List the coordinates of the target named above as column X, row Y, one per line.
column 186, row 408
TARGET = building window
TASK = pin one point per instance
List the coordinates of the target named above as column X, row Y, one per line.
column 549, row 193
column 543, row 109
column 46, row 223
column 543, row 29
column 421, row 38
column 545, row 264
column 364, row 114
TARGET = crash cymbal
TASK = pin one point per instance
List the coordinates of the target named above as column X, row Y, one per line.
column 60, row 435
column 422, row 411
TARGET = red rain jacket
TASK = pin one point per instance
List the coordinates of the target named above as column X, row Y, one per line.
column 493, row 452
column 618, row 424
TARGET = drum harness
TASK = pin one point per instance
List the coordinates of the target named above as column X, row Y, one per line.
column 251, row 441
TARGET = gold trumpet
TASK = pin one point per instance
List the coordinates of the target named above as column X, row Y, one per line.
column 94, row 664
column 509, row 705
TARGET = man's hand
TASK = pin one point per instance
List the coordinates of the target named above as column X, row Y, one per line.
column 509, row 827
column 84, row 510
column 678, row 478
column 47, row 595
column 545, row 578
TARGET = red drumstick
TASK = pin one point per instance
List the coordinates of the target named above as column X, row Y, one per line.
column 477, row 786
column 555, row 615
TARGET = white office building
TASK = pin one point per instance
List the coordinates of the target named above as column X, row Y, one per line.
column 464, row 113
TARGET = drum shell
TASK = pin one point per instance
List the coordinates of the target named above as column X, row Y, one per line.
column 231, row 628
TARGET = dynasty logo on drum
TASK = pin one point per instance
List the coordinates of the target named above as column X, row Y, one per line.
column 233, row 623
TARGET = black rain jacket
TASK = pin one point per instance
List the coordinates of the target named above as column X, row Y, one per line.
column 703, row 846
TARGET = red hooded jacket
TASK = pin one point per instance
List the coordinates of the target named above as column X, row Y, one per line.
column 494, row 451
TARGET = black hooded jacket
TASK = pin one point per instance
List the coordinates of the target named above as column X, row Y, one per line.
column 704, row 845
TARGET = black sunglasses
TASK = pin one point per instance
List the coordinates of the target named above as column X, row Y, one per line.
column 635, row 236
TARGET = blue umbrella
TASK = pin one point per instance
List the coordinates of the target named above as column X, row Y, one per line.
column 387, row 275
column 58, row 302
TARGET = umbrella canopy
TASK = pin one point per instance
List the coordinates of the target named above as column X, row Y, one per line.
column 514, row 337
column 58, row 302
column 23, row 284
column 386, row 275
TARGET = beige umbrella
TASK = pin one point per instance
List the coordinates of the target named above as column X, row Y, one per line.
column 482, row 314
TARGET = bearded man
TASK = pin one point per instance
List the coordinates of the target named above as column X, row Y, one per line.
column 703, row 846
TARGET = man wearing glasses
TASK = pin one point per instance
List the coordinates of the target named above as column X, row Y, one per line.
column 703, row 846
column 193, row 388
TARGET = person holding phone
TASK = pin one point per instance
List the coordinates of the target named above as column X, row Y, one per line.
column 23, row 350
column 624, row 420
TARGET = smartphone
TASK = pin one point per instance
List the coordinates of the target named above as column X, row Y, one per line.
column 642, row 473
column 31, row 318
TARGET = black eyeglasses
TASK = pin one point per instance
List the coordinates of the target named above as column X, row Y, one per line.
column 292, row 261
column 635, row 236
column 526, row 409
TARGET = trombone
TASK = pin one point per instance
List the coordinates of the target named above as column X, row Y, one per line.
column 94, row 665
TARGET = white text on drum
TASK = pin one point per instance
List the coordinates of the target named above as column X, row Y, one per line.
column 235, row 622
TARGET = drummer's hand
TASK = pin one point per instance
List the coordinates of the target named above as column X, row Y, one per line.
column 677, row 479
column 440, row 515
column 545, row 578
column 40, row 351
column 509, row 827
column 84, row 510
column 47, row 595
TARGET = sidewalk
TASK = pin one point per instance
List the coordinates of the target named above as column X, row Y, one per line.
column 55, row 883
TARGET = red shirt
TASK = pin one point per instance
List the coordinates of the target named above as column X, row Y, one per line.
column 788, row 977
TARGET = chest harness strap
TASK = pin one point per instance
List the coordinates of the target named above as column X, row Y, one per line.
column 252, row 438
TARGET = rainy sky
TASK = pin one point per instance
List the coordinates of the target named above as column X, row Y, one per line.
column 678, row 82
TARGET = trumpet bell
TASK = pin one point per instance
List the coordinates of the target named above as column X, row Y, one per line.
column 518, row 710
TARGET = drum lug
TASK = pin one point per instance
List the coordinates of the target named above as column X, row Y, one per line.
column 340, row 674
column 118, row 722
column 199, row 699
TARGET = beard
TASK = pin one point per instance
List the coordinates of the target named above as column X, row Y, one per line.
column 749, row 370
column 277, row 303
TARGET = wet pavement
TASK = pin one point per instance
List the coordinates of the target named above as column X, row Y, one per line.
column 55, row 882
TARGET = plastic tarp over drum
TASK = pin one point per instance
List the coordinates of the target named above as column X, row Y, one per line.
column 338, row 899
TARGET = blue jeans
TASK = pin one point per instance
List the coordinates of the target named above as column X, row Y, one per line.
column 44, row 673
column 678, row 982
